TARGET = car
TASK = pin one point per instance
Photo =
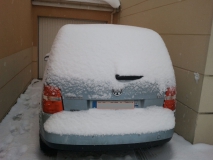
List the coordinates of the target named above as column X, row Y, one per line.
column 107, row 87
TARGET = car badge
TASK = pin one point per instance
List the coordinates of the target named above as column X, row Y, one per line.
column 117, row 92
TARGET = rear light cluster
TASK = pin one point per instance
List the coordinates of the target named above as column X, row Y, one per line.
column 170, row 99
column 52, row 100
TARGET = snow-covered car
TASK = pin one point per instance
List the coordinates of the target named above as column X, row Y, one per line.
column 107, row 87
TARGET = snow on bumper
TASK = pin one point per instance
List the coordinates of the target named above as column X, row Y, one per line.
column 111, row 122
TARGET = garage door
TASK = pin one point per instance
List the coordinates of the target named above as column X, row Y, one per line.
column 48, row 28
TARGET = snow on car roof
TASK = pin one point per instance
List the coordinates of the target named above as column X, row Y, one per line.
column 97, row 52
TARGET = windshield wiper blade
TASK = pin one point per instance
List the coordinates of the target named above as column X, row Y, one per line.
column 118, row 77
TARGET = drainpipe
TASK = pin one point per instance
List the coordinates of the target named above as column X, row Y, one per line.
column 114, row 11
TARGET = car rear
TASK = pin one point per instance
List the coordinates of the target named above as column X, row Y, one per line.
column 107, row 95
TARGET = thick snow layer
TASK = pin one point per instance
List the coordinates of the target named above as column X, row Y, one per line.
column 111, row 122
column 113, row 3
column 94, row 54
column 19, row 138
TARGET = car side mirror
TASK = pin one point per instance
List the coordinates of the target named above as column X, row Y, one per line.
column 46, row 56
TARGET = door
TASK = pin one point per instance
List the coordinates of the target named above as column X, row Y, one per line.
column 48, row 28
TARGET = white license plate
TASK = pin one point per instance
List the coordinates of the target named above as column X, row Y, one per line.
column 115, row 104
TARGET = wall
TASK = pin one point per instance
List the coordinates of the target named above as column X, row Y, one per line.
column 15, row 51
column 44, row 11
column 19, row 44
column 185, row 26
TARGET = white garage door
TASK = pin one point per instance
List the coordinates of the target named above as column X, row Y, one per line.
column 48, row 28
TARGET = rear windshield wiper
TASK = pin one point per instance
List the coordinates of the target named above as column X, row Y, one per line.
column 118, row 77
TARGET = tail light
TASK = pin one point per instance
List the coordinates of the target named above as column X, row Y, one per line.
column 170, row 99
column 52, row 101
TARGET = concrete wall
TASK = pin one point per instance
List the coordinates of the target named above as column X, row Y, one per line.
column 44, row 11
column 15, row 51
column 186, row 27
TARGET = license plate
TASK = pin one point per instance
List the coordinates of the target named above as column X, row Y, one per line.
column 115, row 104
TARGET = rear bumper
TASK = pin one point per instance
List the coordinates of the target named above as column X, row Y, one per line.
column 109, row 147
column 102, row 142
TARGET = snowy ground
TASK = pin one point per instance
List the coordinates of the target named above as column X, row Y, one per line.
column 19, row 139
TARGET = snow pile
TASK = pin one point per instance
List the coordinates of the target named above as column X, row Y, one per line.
column 94, row 54
column 111, row 122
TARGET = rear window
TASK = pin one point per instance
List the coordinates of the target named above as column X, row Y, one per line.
column 96, row 54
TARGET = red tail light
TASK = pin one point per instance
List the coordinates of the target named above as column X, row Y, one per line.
column 52, row 101
column 170, row 99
